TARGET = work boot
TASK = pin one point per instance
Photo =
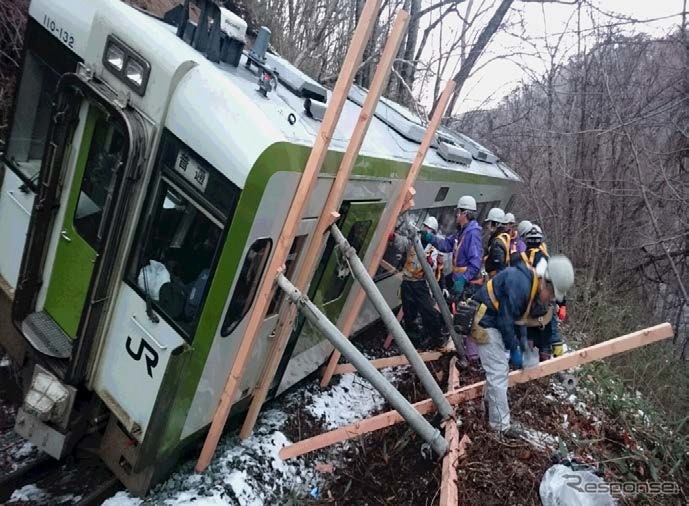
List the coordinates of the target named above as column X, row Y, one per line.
column 513, row 432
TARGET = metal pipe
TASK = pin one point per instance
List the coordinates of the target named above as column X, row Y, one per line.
column 391, row 322
column 429, row 433
column 438, row 296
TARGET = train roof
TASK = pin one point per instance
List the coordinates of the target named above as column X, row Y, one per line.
column 218, row 111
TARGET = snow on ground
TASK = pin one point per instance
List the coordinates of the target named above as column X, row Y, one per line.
column 250, row 472
column 354, row 394
column 29, row 493
column 23, row 451
column 5, row 361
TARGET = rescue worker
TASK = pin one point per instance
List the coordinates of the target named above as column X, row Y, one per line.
column 518, row 294
column 497, row 254
column 516, row 243
column 415, row 293
column 466, row 248
column 546, row 339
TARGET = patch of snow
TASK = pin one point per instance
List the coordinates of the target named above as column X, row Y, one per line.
column 5, row 362
column 351, row 400
column 23, row 451
column 239, row 481
column 122, row 499
column 537, row 439
column 30, row 493
column 243, row 473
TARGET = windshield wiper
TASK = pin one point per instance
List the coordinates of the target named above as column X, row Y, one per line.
column 149, row 301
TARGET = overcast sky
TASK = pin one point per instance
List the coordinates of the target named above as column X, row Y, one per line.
column 543, row 23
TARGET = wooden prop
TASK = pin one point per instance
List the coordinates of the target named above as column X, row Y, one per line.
column 388, row 338
column 311, row 256
column 403, row 199
column 567, row 361
column 284, row 242
column 380, row 363
column 449, row 494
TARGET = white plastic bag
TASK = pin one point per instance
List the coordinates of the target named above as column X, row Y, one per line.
column 156, row 276
column 563, row 486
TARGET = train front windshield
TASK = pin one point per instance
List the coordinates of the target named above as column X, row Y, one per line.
column 180, row 237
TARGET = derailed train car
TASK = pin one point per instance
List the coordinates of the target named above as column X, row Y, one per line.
column 146, row 178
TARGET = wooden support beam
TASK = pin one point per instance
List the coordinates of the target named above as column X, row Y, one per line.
column 380, row 363
column 328, row 217
column 454, row 397
column 448, row 485
column 388, row 339
column 308, row 180
column 387, row 224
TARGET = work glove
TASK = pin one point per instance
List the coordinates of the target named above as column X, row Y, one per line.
column 426, row 237
column 516, row 357
column 458, row 287
column 562, row 313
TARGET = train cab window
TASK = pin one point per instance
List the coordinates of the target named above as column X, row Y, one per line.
column 189, row 207
column 247, row 284
column 31, row 117
column 100, row 173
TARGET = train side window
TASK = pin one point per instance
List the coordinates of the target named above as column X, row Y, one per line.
column 31, row 117
column 442, row 193
column 290, row 264
column 355, row 237
column 100, row 173
column 447, row 219
column 247, row 284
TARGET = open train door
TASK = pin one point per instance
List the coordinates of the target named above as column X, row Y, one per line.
column 93, row 155
column 329, row 289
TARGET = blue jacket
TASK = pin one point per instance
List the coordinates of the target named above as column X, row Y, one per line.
column 470, row 250
column 512, row 288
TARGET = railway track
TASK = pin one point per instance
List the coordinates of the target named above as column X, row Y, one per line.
column 28, row 476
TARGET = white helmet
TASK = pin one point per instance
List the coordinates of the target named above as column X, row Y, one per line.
column 538, row 229
column 497, row 215
column 467, row 202
column 560, row 273
column 533, row 235
column 509, row 218
column 524, row 227
column 431, row 223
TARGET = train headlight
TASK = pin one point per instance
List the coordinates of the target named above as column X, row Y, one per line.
column 134, row 73
column 126, row 64
column 114, row 55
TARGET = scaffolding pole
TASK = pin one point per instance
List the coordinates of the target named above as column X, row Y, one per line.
column 440, row 300
column 321, row 322
column 390, row 320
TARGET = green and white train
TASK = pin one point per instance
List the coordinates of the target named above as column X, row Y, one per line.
column 145, row 181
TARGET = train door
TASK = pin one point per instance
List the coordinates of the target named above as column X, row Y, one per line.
column 329, row 289
column 96, row 176
column 94, row 151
